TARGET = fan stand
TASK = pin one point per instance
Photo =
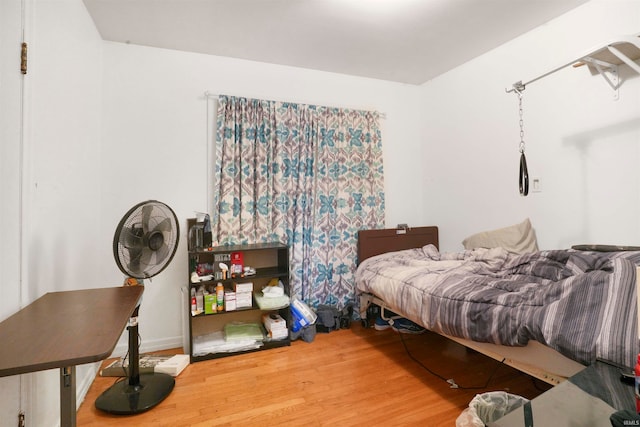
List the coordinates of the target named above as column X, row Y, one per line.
column 140, row 392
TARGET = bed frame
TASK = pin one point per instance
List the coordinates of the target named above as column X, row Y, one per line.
column 535, row 359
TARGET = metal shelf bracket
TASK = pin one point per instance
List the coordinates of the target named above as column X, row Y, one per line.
column 603, row 60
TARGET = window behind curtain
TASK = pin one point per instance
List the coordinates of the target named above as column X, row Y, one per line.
column 304, row 175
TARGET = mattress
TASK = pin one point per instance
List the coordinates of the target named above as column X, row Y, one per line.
column 580, row 303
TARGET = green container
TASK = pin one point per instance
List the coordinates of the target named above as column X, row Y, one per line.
column 210, row 303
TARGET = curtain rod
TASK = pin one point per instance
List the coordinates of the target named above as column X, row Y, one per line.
column 382, row 115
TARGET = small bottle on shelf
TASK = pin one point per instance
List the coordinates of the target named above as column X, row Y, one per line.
column 220, row 296
column 200, row 300
column 194, row 305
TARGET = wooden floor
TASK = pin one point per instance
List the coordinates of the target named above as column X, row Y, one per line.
column 349, row 377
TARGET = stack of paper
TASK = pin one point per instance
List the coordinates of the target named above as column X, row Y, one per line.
column 168, row 364
column 215, row 343
column 174, row 365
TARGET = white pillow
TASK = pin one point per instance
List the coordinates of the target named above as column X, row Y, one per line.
column 519, row 238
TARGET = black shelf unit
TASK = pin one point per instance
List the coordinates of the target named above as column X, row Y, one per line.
column 271, row 260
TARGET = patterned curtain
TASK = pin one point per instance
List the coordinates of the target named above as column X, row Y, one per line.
column 304, row 175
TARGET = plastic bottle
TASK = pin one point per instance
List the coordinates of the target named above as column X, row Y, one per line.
column 220, row 296
column 637, row 388
column 200, row 299
column 193, row 300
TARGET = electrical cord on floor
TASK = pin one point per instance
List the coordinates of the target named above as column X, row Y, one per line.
column 124, row 369
column 450, row 381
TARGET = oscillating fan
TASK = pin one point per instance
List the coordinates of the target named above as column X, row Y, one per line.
column 144, row 243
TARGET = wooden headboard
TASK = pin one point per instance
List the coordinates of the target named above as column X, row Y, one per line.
column 376, row 242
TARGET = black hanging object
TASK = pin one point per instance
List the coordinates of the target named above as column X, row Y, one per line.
column 524, row 176
column 523, row 179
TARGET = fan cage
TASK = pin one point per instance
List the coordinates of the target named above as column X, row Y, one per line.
column 146, row 239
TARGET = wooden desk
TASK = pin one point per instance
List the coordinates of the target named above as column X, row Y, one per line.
column 65, row 329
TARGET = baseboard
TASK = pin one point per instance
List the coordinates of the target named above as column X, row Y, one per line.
column 149, row 346
column 84, row 384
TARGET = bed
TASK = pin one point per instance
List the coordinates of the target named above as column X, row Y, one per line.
column 546, row 313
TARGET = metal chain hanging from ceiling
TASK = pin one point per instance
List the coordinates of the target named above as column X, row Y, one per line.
column 523, row 178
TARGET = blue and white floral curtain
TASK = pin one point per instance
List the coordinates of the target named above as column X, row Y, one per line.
column 304, row 175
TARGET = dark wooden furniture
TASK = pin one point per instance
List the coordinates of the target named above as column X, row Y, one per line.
column 376, row 242
column 271, row 261
column 65, row 329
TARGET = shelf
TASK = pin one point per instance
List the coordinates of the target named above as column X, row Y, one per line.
column 266, row 345
column 222, row 313
column 603, row 60
column 625, row 50
column 270, row 260
column 261, row 273
column 239, row 248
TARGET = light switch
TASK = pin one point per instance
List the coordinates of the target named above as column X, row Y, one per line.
column 535, row 185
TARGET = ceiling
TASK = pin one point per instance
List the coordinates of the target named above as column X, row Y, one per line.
column 408, row 41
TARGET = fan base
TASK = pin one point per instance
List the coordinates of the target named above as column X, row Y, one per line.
column 125, row 399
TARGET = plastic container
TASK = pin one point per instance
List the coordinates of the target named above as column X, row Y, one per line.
column 489, row 407
column 196, row 237
column 200, row 299
column 194, row 305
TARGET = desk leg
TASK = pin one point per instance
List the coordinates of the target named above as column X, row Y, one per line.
column 68, row 396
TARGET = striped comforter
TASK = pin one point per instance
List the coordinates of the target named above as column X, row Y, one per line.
column 582, row 304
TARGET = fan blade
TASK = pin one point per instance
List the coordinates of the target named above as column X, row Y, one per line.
column 164, row 225
column 145, row 258
column 146, row 216
column 134, row 261
column 146, row 239
column 131, row 238
column 162, row 253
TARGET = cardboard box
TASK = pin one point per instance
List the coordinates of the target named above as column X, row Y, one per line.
column 274, row 322
column 244, row 299
column 243, row 287
column 210, row 303
column 229, row 300
column 237, row 264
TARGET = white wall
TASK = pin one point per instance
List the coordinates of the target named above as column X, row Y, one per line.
column 582, row 144
column 10, row 189
column 155, row 141
column 62, row 165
